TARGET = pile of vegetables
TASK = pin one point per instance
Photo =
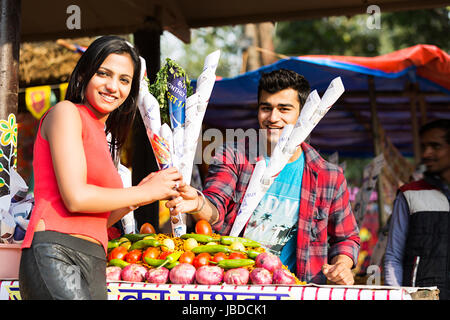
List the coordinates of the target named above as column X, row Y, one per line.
column 201, row 257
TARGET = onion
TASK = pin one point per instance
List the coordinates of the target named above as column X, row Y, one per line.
column 283, row 276
column 159, row 276
column 113, row 273
column 261, row 276
column 183, row 273
column 134, row 272
column 268, row 261
column 237, row 276
column 209, row 275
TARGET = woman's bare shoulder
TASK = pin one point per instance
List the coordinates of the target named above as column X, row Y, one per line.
column 62, row 114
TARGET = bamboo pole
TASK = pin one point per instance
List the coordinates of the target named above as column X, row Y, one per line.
column 143, row 160
column 377, row 142
column 414, row 124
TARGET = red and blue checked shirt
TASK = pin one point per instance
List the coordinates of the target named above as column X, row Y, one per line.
column 326, row 224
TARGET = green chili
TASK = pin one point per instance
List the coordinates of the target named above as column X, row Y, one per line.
column 252, row 253
column 211, row 248
column 227, row 240
column 138, row 236
column 235, row 263
column 141, row 244
column 198, row 237
column 153, row 262
column 112, row 244
column 118, row 263
column 171, row 258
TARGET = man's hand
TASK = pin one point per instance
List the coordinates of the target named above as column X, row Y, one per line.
column 339, row 272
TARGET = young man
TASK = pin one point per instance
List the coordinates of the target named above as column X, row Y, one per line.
column 305, row 216
column 418, row 249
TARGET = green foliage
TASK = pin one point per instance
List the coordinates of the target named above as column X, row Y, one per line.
column 351, row 36
column 203, row 42
column 425, row 27
column 159, row 88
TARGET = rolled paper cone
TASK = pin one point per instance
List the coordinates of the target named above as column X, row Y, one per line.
column 253, row 195
column 195, row 111
column 161, row 149
column 147, row 104
column 331, row 95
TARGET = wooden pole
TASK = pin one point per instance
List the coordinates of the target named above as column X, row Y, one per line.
column 377, row 142
column 9, row 86
column 147, row 40
column 414, row 124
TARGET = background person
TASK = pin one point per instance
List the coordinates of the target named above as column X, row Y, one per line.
column 418, row 248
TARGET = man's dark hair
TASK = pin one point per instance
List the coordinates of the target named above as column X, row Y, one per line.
column 281, row 79
column 443, row 124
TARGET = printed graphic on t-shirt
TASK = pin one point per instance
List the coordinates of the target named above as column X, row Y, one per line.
column 274, row 221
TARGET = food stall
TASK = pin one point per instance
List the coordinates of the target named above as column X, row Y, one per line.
column 197, row 278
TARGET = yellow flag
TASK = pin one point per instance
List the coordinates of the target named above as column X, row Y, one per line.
column 62, row 91
column 37, row 100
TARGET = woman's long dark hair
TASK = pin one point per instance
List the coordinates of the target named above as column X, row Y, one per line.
column 120, row 120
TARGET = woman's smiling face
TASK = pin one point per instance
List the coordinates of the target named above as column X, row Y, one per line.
column 110, row 85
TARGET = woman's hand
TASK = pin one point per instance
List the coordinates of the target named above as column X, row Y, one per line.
column 161, row 185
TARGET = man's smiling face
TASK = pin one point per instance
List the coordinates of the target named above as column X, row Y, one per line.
column 275, row 110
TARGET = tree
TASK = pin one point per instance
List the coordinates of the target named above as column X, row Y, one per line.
column 204, row 41
column 351, row 35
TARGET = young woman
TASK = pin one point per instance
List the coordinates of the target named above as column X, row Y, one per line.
column 78, row 191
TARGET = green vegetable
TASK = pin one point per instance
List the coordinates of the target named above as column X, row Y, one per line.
column 198, row 237
column 159, row 88
column 235, row 263
column 141, row 244
column 138, row 236
column 252, row 253
column 112, row 244
column 158, row 262
column 153, row 262
column 227, row 240
column 211, row 248
column 118, row 263
column 171, row 258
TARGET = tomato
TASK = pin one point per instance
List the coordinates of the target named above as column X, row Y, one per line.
column 237, row 255
column 164, row 254
column 203, row 227
column 202, row 260
column 118, row 253
column 133, row 256
column 187, row 257
column 151, row 252
column 147, row 228
column 219, row 256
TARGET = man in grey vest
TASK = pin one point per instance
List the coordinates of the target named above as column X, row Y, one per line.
column 418, row 249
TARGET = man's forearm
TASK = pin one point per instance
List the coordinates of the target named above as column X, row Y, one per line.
column 208, row 212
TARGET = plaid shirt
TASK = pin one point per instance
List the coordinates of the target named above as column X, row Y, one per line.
column 326, row 225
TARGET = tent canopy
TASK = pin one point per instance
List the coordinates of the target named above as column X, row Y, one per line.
column 422, row 71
